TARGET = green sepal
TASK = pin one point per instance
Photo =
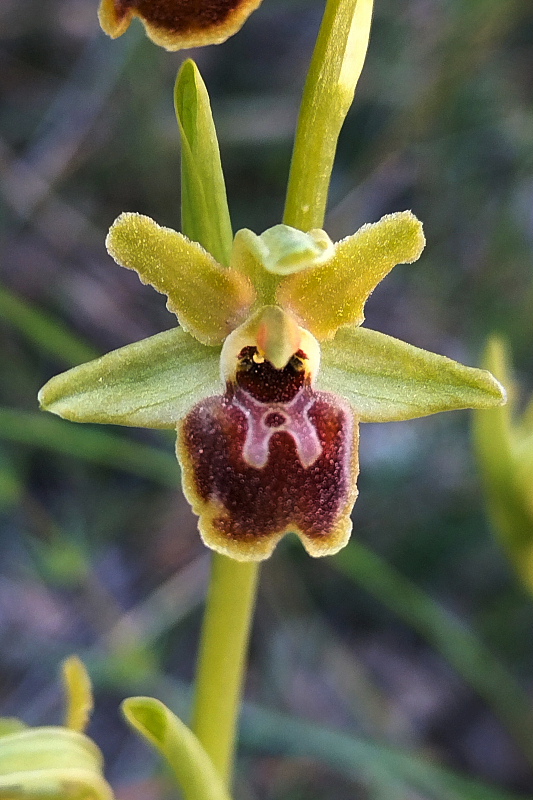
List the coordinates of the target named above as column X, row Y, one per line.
column 333, row 294
column 51, row 762
column 192, row 767
column 208, row 299
column 151, row 384
column 205, row 215
column 385, row 379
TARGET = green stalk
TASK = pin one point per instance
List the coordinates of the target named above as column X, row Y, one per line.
column 335, row 68
column 222, row 659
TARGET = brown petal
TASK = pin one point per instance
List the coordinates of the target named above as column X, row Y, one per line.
column 178, row 24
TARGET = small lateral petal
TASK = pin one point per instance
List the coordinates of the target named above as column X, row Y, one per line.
column 178, row 24
column 209, row 300
column 385, row 379
column 325, row 297
column 150, row 384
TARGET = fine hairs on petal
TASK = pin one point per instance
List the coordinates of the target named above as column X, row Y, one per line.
column 334, row 293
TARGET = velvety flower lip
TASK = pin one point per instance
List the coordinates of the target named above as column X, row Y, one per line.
column 178, row 24
column 268, row 376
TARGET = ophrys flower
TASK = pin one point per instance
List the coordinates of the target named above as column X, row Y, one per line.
column 268, row 376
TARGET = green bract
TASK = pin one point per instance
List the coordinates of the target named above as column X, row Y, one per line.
column 289, row 299
column 504, row 445
column 54, row 762
column 194, row 770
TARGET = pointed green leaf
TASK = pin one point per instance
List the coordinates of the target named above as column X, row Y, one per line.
column 333, row 294
column 194, row 771
column 204, row 206
column 209, row 300
column 385, row 379
column 335, row 68
column 78, row 692
column 53, row 762
column 151, row 384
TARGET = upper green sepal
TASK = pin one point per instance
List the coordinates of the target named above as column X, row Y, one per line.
column 152, row 383
column 205, row 216
column 385, row 379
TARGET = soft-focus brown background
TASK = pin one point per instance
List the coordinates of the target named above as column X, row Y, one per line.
column 442, row 124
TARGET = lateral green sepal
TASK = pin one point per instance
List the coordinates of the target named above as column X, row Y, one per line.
column 151, row 384
column 385, row 379
column 208, row 299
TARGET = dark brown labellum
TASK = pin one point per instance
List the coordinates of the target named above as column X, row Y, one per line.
column 270, row 456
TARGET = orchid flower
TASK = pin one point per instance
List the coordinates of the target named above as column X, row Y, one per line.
column 178, row 24
column 268, row 375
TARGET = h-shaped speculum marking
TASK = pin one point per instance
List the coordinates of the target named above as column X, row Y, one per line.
column 266, row 419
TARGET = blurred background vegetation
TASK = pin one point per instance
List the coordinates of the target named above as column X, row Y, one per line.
column 420, row 636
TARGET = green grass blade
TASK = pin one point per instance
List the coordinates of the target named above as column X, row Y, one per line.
column 447, row 634
column 47, row 333
column 363, row 760
column 398, row 772
column 89, row 444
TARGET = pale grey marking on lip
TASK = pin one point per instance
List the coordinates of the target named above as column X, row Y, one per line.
column 297, row 424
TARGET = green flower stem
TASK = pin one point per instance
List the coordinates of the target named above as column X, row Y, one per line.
column 221, row 664
column 329, row 91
